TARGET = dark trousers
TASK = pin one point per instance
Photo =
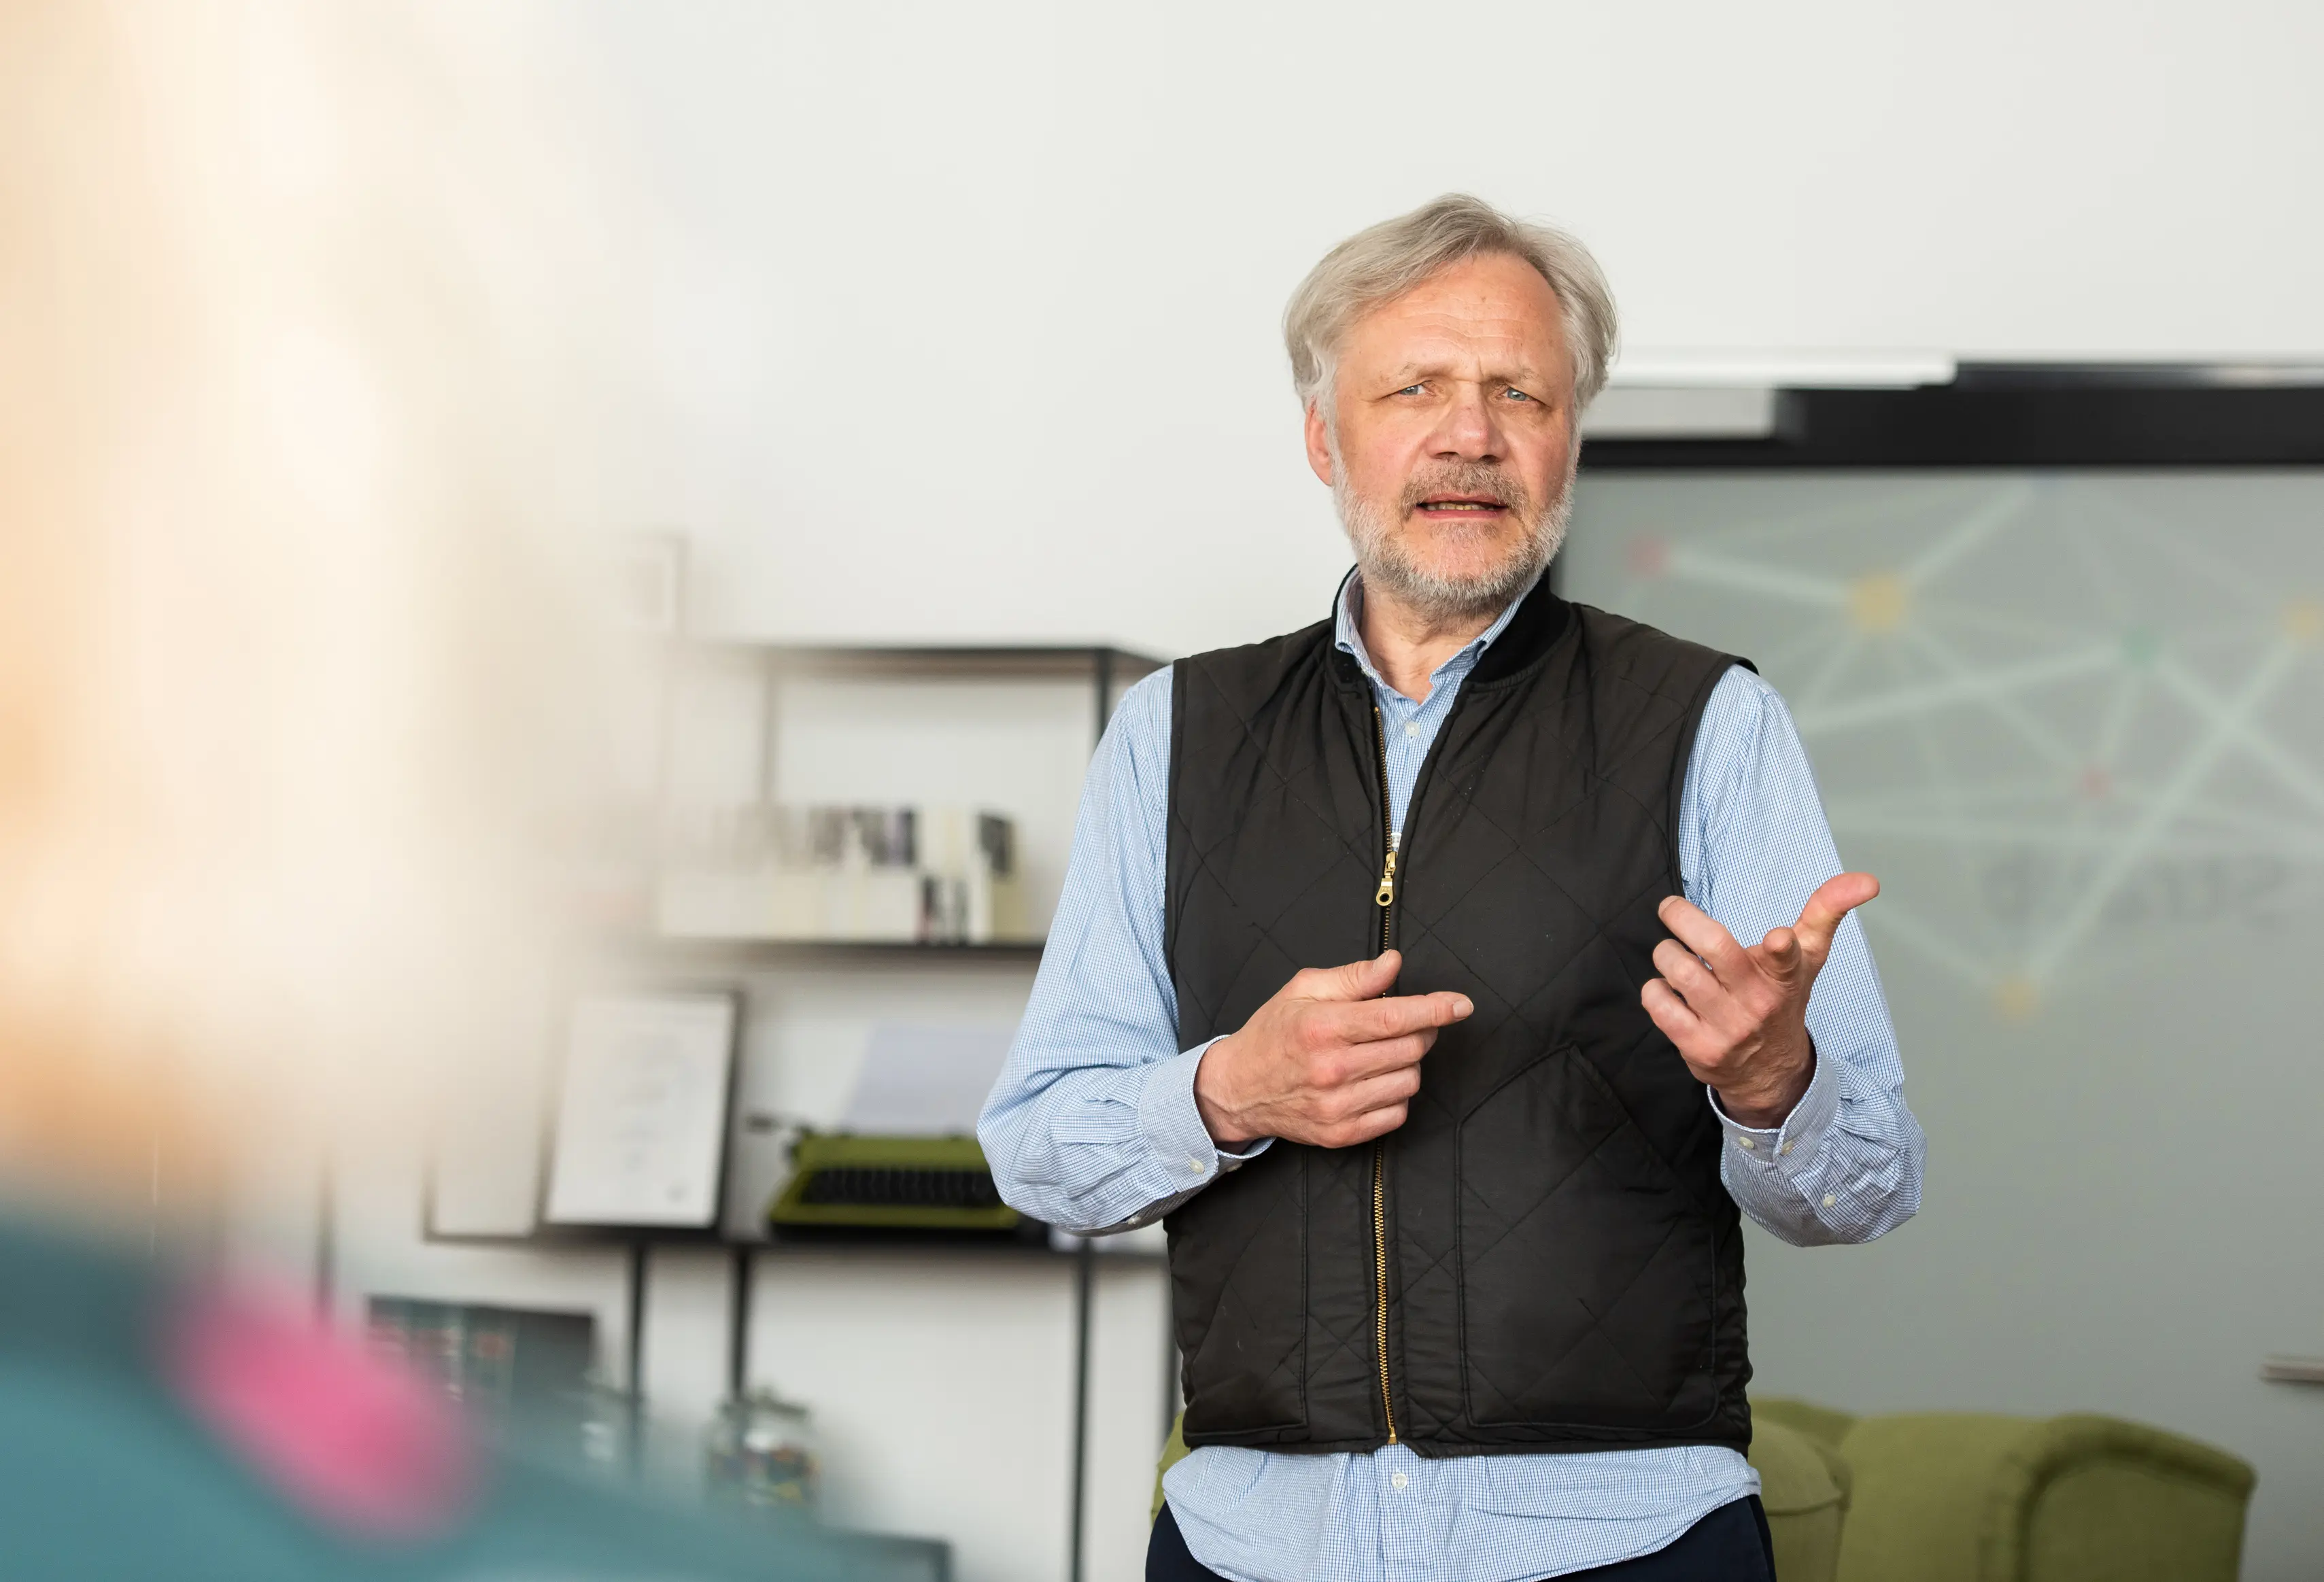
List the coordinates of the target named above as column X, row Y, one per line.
column 1729, row 1545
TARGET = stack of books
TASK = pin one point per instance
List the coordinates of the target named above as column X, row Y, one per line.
column 927, row 875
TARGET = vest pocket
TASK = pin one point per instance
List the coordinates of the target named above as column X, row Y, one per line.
column 1588, row 1273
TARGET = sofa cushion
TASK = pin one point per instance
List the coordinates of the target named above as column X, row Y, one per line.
column 1823, row 1424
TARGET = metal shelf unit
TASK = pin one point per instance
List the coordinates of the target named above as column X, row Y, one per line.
column 1109, row 670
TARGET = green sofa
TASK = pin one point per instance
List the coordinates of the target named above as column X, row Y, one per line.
column 1969, row 1497
column 1976, row 1497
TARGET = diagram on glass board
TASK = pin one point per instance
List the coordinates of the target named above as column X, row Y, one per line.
column 2081, row 710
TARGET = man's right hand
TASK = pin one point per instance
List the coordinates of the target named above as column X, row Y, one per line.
column 1326, row 1060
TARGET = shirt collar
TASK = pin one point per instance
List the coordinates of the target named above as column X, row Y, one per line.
column 1348, row 632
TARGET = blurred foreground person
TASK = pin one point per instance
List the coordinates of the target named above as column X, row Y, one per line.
column 156, row 1423
column 280, row 667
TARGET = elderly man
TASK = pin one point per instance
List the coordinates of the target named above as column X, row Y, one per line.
column 1398, row 966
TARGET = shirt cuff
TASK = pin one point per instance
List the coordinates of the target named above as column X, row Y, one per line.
column 1170, row 1125
column 1791, row 1145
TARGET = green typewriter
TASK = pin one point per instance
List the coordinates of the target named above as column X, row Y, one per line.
column 841, row 1182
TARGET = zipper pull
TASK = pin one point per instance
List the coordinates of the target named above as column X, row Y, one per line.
column 1386, row 895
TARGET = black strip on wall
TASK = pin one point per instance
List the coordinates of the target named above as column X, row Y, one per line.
column 2012, row 418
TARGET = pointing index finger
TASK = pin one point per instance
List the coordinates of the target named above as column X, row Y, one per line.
column 1396, row 1016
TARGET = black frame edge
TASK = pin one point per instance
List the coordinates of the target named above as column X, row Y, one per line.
column 2010, row 423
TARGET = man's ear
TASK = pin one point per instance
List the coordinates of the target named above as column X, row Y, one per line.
column 1319, row 442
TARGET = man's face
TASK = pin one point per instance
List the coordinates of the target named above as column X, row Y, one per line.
column 1450, row 448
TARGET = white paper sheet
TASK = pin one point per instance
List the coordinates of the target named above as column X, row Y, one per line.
column 642, row 1112
column 927, row 1082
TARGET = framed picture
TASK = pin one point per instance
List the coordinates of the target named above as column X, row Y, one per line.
column 640, row 1135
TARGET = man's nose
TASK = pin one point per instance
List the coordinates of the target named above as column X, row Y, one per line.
column 1467, row 429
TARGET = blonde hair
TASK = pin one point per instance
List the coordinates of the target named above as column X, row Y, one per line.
column 1383, row 261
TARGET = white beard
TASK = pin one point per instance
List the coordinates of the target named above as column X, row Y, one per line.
column 1384, row 555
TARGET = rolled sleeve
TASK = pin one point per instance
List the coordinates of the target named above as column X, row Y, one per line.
column 1788, row 1147
column 1845, row 1166
column 1171, row 1132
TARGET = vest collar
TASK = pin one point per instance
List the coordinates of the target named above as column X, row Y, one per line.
column 1531, row 630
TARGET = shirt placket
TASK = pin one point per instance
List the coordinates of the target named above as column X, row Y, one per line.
column 1405, row 730
column 1408, row 1537
column 1412, row 726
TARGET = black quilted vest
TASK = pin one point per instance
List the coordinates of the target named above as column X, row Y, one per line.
column 1542, row 1257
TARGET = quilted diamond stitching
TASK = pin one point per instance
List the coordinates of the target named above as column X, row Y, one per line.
column 1598, row 1326
column 1496, row 1019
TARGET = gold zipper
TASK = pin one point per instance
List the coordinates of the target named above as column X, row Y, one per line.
column 1385, row 896
column 1379, row 1252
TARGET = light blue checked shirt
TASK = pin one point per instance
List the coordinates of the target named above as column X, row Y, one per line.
column 1092, row 1125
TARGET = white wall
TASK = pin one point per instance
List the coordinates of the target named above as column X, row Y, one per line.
column 961, row 320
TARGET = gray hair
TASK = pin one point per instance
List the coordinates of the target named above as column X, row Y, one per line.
column 1382, row 262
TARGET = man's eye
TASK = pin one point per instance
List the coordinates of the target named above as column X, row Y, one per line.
column 1410, row 390
column 1515, row 394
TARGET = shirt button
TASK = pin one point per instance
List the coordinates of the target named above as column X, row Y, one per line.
column 1745, row 1143
column 1412, row 728
column 1827, row 1200
column 1399, row 1480
column 1194, row 1164
column 1784, row 1149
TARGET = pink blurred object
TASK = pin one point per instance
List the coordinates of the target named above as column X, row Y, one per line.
column 354, row 1439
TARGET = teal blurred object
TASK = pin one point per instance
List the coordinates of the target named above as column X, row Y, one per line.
column 109, row 1470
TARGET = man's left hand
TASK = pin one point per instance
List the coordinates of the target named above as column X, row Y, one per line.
column 1740, row 1017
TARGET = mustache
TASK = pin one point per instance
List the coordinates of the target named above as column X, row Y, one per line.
column 1460, row 477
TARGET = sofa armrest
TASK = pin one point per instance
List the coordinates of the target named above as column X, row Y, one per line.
column 1803, row 1487
column 1945, row 1497
column 2088, row 1496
